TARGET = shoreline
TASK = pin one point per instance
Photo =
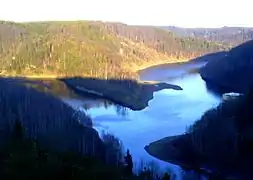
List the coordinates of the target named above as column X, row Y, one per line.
column 146, row 66
column 173, row 154
column 128, row 93
column 136, row 69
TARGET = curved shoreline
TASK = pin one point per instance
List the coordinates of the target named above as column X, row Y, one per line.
column 132, row 94
column 174, row 156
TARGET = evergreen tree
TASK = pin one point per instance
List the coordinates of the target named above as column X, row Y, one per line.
column 128, row 164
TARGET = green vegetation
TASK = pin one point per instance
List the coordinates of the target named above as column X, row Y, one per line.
column 90, row 48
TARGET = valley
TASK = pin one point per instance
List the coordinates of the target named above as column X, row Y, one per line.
column 84, row 92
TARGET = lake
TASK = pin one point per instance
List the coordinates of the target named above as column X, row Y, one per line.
column 169, row 113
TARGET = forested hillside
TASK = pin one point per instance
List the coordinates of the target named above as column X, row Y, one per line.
column 162, row 41
column 234, row 72
column 89, row 48
column 230, row 35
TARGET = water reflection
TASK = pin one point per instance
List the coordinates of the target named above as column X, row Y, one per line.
column 52, row 86
column 168, row 113
column 216, row 91
column 121, row 111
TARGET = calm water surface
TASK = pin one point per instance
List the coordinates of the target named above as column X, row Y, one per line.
column 170, row 112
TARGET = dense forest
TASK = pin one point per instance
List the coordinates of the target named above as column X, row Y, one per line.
column 49, row 140
column 90, row 48
column 231, row 152
column 25, row 158
column 232, row 72
column 218, row 144
column 229, row 35
column 221, row 140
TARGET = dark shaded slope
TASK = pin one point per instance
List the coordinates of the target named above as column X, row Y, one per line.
column 233, row 72
column 46, row 119
column 220, row 142
column 210, row 56
column 126, row 92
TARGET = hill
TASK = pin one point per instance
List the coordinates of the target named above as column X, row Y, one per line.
column 49, row 140
column 51, row 122
column 219, row 143
column 234, row 72
column 229, row 35
column 90, row 48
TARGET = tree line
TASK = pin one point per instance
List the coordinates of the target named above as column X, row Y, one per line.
column 87, row 48
column 222, row 138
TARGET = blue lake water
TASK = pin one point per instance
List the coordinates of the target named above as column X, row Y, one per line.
column 169, row 113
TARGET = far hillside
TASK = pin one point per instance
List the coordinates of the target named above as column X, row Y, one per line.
column 90, row 48
column 229, row 35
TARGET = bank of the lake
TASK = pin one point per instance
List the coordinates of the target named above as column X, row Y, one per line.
column 167, row 114
column 134, row 94
column 211, row 146
column 125, row 92
column 131, row 93
column 176, row 148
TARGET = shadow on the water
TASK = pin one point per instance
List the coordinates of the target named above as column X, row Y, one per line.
column 110, row 118
column 216, row 90
column 60, row 89
column 210, row 56
column 121, row 110
column 125, row 92
column 92, row 102
column 167, row 72
column 52, row 86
